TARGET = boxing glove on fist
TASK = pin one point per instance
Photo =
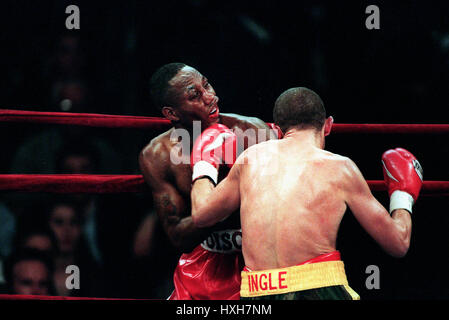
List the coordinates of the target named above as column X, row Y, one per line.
column 276, row 129
column 403, row 176
column 216, row 145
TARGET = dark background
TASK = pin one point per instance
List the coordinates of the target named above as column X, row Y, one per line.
column 251, row 52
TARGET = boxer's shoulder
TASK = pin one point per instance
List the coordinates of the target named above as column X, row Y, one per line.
column 343, row 169
column 246, row 128
column 232, row 120
column 331, row 157
column 159, row 144
column 340, row 166
column 157, row 150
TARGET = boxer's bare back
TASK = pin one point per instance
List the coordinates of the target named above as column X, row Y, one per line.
column 303, row 221
column 292, row 196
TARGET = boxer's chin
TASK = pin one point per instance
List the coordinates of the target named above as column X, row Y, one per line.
column 214, row 120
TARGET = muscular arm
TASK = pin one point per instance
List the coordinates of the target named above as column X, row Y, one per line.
column 172, row 210
column 392, row 233
column 211, row 205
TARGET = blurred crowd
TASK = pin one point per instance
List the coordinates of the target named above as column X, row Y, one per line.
column 115, row 240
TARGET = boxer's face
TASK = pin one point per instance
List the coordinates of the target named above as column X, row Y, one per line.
column 30, row 277
column 195, row 99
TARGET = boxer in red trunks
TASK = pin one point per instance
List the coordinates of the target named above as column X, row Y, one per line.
column 292, row 195
column 210, row 265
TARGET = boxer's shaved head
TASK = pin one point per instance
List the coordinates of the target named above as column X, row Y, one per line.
column 300, row 108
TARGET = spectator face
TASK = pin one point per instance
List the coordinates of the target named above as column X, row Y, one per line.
column 30, row 277
column 66, row 225
column 39, row 242
column 77, row 164
column 68, row 58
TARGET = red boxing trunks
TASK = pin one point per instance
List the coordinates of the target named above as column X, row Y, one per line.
column 212, row 270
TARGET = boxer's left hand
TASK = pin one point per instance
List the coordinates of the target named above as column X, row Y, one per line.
column 404, row 176
column 216, row 145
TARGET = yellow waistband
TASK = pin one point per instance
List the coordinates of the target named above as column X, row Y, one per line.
column 292, row 279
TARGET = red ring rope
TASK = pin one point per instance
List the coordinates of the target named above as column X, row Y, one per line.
column 36, row 297
column 84, row 119
column 118, row 121
column 90, row 183
column 72, row 183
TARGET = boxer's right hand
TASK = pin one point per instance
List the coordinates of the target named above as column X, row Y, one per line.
column 216, row 145
column 403, row 176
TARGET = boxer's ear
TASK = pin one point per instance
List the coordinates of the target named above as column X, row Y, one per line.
column 170, row 113
column 328, row 125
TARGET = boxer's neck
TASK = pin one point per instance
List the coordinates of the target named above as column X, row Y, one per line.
column 310, row 137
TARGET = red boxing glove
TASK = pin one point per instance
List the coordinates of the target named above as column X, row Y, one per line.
column 277, row 130
column 403, row 176
column 216, row 145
